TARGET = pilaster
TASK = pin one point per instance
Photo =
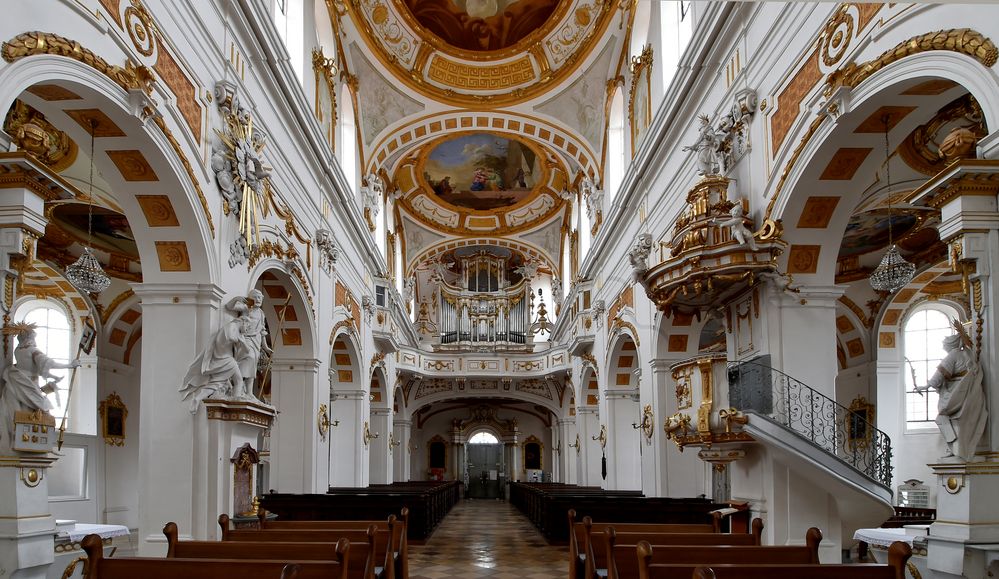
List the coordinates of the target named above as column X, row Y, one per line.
column 295, row 444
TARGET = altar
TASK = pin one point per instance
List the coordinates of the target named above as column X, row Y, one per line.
column 67, row 545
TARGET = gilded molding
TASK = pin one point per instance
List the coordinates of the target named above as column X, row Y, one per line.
column 111, row 307
column 962, row 40
column 131, row 77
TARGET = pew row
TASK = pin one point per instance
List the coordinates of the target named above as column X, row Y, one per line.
column 153, row 568
column 898, row 557
column 360, row 561
column 617, row 556
column 389, row 554
column 402, row 548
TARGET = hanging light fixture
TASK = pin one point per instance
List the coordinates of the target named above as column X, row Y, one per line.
column 894, row 272
column 86, row 272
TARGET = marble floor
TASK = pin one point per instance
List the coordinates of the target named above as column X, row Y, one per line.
column 487, row 538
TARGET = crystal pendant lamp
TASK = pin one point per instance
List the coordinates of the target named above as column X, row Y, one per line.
column 86, row 272
column 894, row 272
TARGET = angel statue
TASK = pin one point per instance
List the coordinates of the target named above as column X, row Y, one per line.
column 961, row 406
column 706, row 147
column 19, row 391
column 737, row 224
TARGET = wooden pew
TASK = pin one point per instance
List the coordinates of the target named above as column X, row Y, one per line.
column 579, row 537
column 619, row 548
column 153, row 568
column 388, row 537
column 360, row 561
column 595, row 562
column 664, row 561
column 898, row 556
column 400, row 540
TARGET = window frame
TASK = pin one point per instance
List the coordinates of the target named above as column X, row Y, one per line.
column 929, row 426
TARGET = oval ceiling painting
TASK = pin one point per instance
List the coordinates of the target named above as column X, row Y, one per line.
column 482, row 172
column 481, row 25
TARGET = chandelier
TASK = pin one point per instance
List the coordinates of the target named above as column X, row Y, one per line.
column 894, row 272
column 86, row 272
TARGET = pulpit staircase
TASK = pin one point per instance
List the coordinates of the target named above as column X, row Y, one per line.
column 823, row 440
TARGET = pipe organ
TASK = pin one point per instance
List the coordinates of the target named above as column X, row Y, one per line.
column 481, row 309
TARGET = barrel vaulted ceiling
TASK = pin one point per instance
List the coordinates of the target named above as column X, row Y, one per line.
column 482, row 116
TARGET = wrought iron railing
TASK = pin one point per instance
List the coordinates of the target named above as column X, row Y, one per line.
column 828, row 425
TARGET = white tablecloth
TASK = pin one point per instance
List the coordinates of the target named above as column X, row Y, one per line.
column 882, row 537
column 80, row 530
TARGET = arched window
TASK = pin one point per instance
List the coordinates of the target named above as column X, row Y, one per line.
column 483, row 438
column 615, row 146
column 677, row 27
column 53, row 336
column 348, row 139
column 923, row 337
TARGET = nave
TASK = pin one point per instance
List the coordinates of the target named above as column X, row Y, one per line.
column 487, row 538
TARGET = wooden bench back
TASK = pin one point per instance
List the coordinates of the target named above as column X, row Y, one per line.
column 360, row 561
column 898, row 557
column 148, row 568
column 619, row 548
column 596, row 555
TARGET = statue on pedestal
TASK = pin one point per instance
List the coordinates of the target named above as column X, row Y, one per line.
column 706, row 147
column 228, row 366
column 19, row 390
column 961, row 407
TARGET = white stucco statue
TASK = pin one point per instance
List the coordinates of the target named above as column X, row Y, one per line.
column 215, row 372
column 253, row 341
column 19, row 391
column 961, row 407
column 706, row 147
column 737, row 223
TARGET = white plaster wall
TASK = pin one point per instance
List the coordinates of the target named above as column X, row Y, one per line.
column 121, row 463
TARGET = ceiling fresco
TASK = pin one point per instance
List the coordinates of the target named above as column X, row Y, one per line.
column 111, row 232
column 482, row 24
column 482, row 171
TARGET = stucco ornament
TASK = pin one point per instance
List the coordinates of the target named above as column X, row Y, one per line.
column 961, row 406
column 237, row 161
column 638, row 255
column 737, row 225
column 706, row 147
column 329, row 252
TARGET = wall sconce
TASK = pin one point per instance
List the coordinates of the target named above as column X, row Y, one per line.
column 647, row 425
column 575, row 444
column 602, row 437
column 392, row 441
column 368, row 435
column 323, row 421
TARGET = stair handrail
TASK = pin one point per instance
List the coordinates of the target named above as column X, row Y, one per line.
column 828, row 425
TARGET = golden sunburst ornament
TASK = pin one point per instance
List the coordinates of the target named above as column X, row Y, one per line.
column 237, row 161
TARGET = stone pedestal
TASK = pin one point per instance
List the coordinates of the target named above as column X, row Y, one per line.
column 231, row 425
column 27, row 529
column 967, row 517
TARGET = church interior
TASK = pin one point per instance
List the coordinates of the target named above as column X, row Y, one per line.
column 499, row 288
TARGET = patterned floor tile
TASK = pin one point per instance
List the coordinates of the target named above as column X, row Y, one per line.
column 485, row 538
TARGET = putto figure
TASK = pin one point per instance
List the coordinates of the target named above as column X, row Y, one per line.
column 961, row 408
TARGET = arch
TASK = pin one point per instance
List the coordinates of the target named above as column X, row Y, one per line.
column 526, row 249
column 349, row 139
column 288, row 309
column 589, row 385
column 379, row 385
column 622, row 362
column 345, row 366
column 152, row 165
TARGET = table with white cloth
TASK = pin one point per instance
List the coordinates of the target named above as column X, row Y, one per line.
column 880, row 539
column 67, row 544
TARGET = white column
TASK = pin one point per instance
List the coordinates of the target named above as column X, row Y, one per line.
column 381, row 459
column 177, row 320
column 570, row 454
column 349, row 454
column 401, row 458
column 663, row 400
column 295, row 443
column 624, row 461
column 589, row 426
column 797, row 349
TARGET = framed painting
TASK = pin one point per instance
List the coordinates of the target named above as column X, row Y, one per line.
column 325, row 71
column 533, row 450
column 640, row 101
column 859, row 424
column 113, row 414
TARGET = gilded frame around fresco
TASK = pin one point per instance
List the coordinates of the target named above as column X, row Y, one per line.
column 641, row 80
